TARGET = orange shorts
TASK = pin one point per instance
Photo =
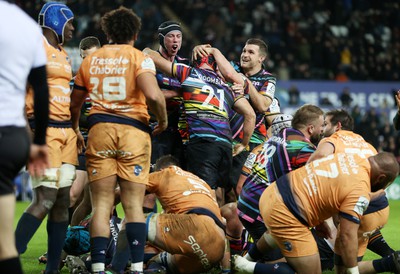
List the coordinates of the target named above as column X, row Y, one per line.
column 196, row 242
column 116, row 149
column 62, row 146
column 293, row 238
column 369, row 224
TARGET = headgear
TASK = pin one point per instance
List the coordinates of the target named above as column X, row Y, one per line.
column 280, row 122
column 54, row 16
column 165, row 28
column 209, row 60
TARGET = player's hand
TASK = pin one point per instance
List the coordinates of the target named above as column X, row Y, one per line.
column 38, row 160
column 160, row 127
column 237, row 89
column 238, row 148
column 80, row 141
column 200, row 50
column 323, row 230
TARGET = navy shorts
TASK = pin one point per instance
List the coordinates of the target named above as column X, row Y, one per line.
column 168, row 142
column 14, row 153
column 210, row 160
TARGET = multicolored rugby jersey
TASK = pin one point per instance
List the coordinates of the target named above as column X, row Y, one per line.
column 265, row 83
column 175, row 108
column 266, row 163
column 207, row 101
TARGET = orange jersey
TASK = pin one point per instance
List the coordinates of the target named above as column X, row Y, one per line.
column 59, row 75
column 337, row 183
column 180, row 191
column 109, row 75
column 349, row 142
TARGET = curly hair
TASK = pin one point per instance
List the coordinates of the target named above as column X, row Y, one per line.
column 121, row 25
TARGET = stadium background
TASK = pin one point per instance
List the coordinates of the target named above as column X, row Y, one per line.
column 318, row 49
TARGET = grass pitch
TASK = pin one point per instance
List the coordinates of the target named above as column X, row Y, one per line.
column 38, row 245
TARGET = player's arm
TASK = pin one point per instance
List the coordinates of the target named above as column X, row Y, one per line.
column 38, row 155
column 155, row 99
column 78, row 96
column 348, row 241
column 324, row 149
column 260, row 102
column 38, row 80
column 243, row 107
column 162, row 64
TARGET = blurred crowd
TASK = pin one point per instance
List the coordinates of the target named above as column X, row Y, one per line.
column 333, row 40
column 328, row 40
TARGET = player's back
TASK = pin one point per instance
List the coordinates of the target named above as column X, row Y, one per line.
column 180, row 191
column 109, row 74
column 350, row 142
column 285, row 152
column 208, row 102
column 338, row 182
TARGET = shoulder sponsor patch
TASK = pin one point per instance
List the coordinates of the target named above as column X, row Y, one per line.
column 250, row 160
column 361, row 205
column 148, row 63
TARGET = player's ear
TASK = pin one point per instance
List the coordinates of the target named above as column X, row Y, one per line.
column 338, row 126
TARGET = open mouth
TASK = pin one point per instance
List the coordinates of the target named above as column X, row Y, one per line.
column 175, row 47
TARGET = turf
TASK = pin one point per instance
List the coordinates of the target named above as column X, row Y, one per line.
column 38, row 244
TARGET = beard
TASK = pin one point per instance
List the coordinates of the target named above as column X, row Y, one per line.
column 315, row 139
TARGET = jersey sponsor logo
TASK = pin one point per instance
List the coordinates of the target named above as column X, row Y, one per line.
column 61, row 99
column 208, row 79
column 361, row 205
column 198, row 251
column 116, row 65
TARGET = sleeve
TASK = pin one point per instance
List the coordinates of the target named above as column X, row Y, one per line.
column 248, row 164
column 38, row 80
column 146, row 64
column 79, row 83
column 355, row 203
column 268, row 89
column 181, row 71
column 40, row 57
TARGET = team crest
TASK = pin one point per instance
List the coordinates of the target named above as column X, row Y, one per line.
column 288, row 246
column 138, row 169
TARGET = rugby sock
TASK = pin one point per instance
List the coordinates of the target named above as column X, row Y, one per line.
column 56, row 232
column 254, row 254
column 378, row 244
column 385, row 264
column 121, row 256
column 277, row 268
column 12, row 265
column 136, row 235
column 26, row 228
column 98, row 247
column 235, row 244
